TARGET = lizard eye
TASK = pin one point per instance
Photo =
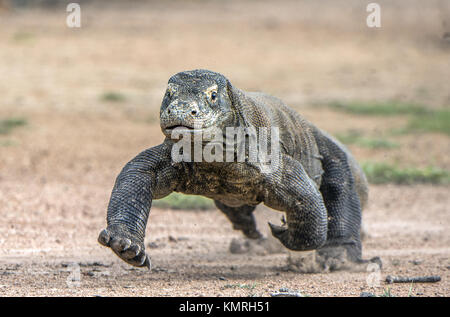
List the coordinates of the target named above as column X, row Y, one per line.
column 213, row 96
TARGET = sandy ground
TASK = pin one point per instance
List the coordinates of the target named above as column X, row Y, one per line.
column 56, row 173
column 49, row 240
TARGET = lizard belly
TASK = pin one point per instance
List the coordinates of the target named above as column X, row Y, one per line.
column 233, row 184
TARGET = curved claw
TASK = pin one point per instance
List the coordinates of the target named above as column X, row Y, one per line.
column 142, row 260
column 282, row 234
column 276, row 230
column 131, row 252
column 147, row 263
column 120, row 244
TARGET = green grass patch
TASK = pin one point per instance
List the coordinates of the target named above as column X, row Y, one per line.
column 438, row 121
column 112, row 96
column 386, row 108
column 7, row 143
column 7, row 125
column 22, row 36
column 185, row 202
column 356, row 138
column 241, row 286
column 422, row 119
column 382, row 173
column 387, row 293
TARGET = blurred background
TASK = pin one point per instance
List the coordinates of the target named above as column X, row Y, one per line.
column 77, row 103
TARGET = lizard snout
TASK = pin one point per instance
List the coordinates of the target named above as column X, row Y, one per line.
column 182, row 109
column 181, row 113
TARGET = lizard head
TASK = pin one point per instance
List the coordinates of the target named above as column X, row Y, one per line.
column 196, row 100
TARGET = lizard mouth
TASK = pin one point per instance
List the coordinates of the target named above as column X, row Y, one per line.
column 176, row 129
column 178, row 126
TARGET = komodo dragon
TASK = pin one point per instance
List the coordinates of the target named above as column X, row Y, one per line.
column 318, row 184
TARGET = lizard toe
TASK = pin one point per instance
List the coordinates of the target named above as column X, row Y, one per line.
column 104, row 238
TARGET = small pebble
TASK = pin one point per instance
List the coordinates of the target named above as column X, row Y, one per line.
column 287, row 294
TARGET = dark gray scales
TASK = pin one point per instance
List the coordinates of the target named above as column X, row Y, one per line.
column 318, row 185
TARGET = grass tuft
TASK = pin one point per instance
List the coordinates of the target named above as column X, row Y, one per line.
column 382, row 173
column 113, row 97
column 7, row 125
column 386, row 108
column 387, row 293
column 242, row 286
column 7, row 143
column 22, row 36
column 186, row 202
column 438, row 121
column 356, row 138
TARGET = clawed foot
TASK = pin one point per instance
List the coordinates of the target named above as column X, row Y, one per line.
column 125, row 246
column 294, row 239
column 281, row 233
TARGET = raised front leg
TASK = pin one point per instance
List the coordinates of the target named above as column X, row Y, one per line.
column 148, row 175
column 291, row 190
column 242, row 219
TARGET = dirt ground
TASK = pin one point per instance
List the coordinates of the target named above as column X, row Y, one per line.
column 57, row 171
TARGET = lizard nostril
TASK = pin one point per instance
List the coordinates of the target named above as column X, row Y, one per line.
column 194, row 112
column 168, row 111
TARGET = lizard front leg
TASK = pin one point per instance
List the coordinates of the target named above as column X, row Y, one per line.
column 290, row 189
column 148, row 175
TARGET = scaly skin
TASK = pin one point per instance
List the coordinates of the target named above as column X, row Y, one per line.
column 318, row 184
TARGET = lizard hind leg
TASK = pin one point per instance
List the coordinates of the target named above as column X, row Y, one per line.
column 340, row 194
column 242, row 219
column 254, row 241
column 344, row 219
